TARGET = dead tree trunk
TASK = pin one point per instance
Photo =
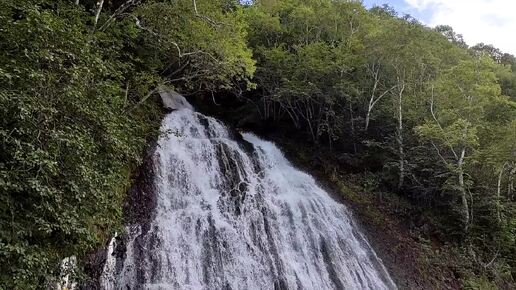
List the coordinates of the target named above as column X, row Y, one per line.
column 498, row 194
column 399, row 138
column 462, row 187
column 352, row 121
column 375, row 72
column 373, row 100
column 100, row 4
column 510, row 185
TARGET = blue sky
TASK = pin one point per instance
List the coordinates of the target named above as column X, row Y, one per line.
column 489, row 21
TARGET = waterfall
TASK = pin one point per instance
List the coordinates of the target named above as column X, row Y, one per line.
column 234, row 214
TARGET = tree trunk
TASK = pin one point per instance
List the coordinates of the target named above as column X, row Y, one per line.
column 369, row 108
column 99, row 9
column 195, row 6
column 400, row 137
column 498, row 194
column 314, row 138
column 462, row 186
column 372, row 103
column 375, row 72
column 352, row 127
column 76, row 2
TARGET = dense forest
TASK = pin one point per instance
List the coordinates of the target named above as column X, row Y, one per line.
column 399, row 107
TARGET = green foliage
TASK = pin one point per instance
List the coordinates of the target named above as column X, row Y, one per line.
column 76, row 117
column 200, row 50
column 305, row 51
column 68, row 139
column 479, row 283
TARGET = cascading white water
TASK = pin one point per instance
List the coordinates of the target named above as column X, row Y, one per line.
column 229, row 216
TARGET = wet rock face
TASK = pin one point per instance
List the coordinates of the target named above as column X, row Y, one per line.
column 172, row 100
column 141, row 198
column 139, row 210
column 93, row 269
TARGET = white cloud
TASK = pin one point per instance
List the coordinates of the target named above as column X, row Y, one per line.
column 489, row 21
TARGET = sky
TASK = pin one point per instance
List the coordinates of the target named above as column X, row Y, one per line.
column 488, row 21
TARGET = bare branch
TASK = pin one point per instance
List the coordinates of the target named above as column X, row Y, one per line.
column 383, row 94
column 195, row 7
column 439, row 154
column 209, row 20
column 118, row 12
column 100, row 4
column 492, row 260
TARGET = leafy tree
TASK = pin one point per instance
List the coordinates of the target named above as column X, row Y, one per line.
column 448, row 32
column 199, row 46
column 305, row 52
column 457, row 107
column 75, row 97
